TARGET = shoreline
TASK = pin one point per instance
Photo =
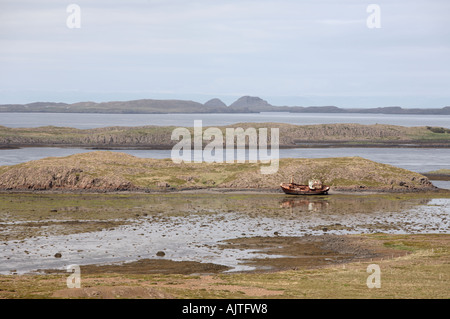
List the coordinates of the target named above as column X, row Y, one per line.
column 437, row 177
column 291, row 136
column 105, row 172
column 257, row 191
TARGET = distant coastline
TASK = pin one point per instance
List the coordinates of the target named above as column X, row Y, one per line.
column 291, row 136
column 245, row 104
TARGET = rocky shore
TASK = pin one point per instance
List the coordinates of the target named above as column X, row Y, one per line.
column 290, row 136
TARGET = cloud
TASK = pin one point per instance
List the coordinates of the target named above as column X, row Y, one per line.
column 283, row 47
column 337, row 22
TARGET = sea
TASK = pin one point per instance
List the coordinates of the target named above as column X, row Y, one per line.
column 86, row 121
column 420, row 160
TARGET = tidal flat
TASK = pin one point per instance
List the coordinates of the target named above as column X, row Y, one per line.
column 239, row 244
column 219, row 229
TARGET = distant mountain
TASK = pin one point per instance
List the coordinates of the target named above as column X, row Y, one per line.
column 252, row 103
column 245, row 104
column 316, row 109
column 136, row 106
column 215, row 103
column 400, row 110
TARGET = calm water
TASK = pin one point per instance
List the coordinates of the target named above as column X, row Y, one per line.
column 414, row 159
column 85, row 121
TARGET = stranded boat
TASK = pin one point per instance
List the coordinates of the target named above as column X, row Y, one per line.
column 314, row 187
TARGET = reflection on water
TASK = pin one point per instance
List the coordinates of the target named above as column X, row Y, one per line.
column 349, row 204
column 305, row 204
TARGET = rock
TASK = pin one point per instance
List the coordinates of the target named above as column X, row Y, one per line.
column 186, row 178
column 160, row 254
column 162, row 184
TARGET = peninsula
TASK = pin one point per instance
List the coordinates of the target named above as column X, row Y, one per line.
column 106, row 171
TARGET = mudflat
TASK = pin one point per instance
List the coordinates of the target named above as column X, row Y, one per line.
column 412, row 266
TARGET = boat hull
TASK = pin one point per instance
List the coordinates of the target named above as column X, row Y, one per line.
column 295, row 189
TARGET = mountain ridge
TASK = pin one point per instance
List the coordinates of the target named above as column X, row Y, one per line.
column 245, row 104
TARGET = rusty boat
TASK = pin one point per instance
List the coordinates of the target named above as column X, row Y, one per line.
column 314, row 187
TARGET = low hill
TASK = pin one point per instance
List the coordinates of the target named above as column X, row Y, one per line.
column 112, row 171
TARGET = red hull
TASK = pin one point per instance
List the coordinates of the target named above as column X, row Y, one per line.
column 296, row 189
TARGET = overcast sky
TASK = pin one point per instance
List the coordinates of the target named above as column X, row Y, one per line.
column 288, row 52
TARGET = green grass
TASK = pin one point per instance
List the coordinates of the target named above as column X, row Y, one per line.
column 400, row 245
column 442, row 171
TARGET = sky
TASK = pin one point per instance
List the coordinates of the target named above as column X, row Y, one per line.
column 288, row 52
